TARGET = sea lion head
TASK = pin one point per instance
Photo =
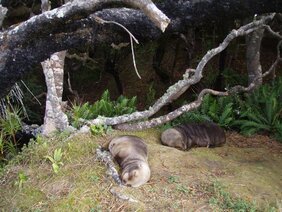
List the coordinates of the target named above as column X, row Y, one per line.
column 136, row 174
column 174, row 138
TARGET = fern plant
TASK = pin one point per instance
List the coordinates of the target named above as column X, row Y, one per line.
column 218, row 110
column 262, row 111
column 103, row 107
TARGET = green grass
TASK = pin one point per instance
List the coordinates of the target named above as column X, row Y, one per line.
column 223, row 200
column 180, row 180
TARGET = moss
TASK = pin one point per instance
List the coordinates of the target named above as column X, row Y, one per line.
column 25, row 199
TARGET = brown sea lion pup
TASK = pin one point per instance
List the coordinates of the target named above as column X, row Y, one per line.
column 130, row 152
column 186, row 136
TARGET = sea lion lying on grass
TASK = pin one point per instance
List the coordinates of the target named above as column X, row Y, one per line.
column 186, row 136
column 130, row 152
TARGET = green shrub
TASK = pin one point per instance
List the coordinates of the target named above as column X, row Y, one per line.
column 9, row 126
column 103, row 107
column 219, row 110
column 261, row 111
column 250, row 113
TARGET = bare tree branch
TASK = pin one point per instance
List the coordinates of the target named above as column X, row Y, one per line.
column 189, row 79
column 275, row 34
column 193, row 105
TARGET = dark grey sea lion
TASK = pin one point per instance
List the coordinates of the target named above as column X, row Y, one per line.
column 130, row 152
column 186, row 136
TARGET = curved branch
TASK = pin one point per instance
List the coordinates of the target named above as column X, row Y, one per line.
column 172, row 115
column 193, row 105
column 275, row 34
column 18, row 44
column 181, row 86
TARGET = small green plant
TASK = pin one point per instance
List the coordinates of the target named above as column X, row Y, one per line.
column 1, row 145
column 173, row 179
column 102, row 107
column 56, row 160
column 11, row 124
column 179, row 187
column 97, row 129
column 95, row 178
column 183, row 189
column 22, row 178
column 225, row 201
column 165, row 126
column 100, row 129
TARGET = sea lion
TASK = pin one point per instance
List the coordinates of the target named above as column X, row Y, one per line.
column 186, row 136
column 130, row 152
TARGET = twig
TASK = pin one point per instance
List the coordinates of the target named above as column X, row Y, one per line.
column 106, row 158
column 133, row 58
column 275, row 34
column 74, row 92
column 30, row 92
column 131, row 36
column 122, row 196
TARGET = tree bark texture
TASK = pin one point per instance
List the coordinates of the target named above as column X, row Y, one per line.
column 3, row 11
column 53, row 68
column 72, row 26
column 55, row 118
column 59, row 29
column 253, row 41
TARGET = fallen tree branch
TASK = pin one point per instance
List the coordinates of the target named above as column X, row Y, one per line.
column 191, row 77
column 106, row 158
column 122, row 196
column 191, row 106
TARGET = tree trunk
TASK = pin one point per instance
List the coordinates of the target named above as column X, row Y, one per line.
column 254, row 69
column 55, row 119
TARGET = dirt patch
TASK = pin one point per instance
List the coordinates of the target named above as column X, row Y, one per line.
column 249, row 168
column 237, row 140
column 58, row 189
